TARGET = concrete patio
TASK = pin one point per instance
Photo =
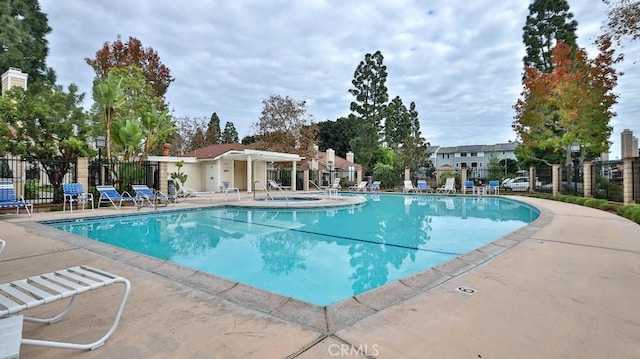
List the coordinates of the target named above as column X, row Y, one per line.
column 566, row 286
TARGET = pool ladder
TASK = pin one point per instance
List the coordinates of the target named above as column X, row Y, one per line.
column 267, row 190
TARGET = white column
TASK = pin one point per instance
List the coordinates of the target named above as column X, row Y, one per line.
column 293, row 175
column 249, row 174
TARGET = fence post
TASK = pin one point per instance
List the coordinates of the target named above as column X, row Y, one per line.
column 163, row 167
column 587, row 178
column 627, row 181
column 555, row 178
column 532, row 179
column 82, row 172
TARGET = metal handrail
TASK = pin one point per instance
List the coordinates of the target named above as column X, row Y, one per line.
column 263, row 186
column 281, row 191
column 318, row 187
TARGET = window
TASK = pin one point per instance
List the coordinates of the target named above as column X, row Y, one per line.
column 463, row 154
column 474, row 154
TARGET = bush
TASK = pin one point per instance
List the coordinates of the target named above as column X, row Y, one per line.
column 631, row 212
column 594, row 202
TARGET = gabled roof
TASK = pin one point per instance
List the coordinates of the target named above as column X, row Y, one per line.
column 239, row 151
column 213, row 151
column 339, row 163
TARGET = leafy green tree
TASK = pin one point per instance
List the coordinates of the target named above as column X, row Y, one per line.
column 49, row 126
column 157, row 126
column 337, row 134
column 548, row 22
column 230, row 134
column 213, row 135
column 285, row 126
column 23, row 42
column 109, row 96
column 126, row 133
column 369, row 107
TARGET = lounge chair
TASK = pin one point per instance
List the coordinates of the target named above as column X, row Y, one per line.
column 374, row 187
column 2, row 244
column 20, row 295
column 494, row 186
column 423, row 186
column 274, row 185
column 336, row 184
column 8, row 198
column 468, row 186
column 109, row 194
column 185, row 192
column 226, row 190
column 448, row 187
column 145, row 195
column 74, row 192
column 360, row 187
column 408, row 187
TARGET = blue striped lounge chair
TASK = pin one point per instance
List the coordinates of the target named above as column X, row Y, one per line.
column 147, row 196
column 111, row 195
column 8, row 198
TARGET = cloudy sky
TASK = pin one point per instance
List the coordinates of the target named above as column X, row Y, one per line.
column 459, row 61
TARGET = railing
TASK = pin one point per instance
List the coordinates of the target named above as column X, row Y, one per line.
column 264, row 187
column 316, row 186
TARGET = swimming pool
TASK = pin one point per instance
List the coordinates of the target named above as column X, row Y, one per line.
column 320, row 256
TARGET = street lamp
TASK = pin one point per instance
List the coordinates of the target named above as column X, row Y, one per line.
column 575, row 151
column 101, row 141
column 330, row 164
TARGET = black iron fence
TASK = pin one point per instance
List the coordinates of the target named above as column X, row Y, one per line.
column 39, row 182
column 122, row 174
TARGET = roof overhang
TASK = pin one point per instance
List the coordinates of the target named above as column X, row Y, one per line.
column 257, row 155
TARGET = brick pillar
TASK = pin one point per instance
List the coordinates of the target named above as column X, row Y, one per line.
column 164, row 177
column 627, row 181
column 555, row 178
column 82, row 170
column 532, row 179
column 305, row 181
column 588, row 180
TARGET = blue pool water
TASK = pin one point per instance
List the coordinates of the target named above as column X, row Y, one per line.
column 320, row 256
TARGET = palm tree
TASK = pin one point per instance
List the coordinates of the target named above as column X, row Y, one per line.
column 109, row 96
column 158, row 125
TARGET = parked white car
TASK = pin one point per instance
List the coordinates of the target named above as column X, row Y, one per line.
column 519, row 184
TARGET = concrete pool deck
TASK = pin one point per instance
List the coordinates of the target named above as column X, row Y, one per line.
column 565, row 286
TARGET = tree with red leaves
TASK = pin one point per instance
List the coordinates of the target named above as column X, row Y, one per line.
column 572, row 103
column 132, row 52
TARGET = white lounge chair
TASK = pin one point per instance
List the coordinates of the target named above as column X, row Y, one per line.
column 2, row 244
column 360, row 187
column 20, row 295
column 408, row 187
column 185, row 192
column 226, row 190
column 448, row 187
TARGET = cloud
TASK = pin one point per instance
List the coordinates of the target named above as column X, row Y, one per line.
column 460, row 62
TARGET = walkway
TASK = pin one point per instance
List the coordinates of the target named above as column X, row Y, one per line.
column 566, row 288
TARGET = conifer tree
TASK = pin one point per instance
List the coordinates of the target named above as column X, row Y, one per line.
column 548, row 22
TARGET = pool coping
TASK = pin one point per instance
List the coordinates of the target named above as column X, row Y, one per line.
column 326, row 319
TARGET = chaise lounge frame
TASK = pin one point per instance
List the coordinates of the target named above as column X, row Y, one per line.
column 20, row 295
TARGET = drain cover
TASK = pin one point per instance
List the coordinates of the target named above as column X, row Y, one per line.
column 466, row 290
